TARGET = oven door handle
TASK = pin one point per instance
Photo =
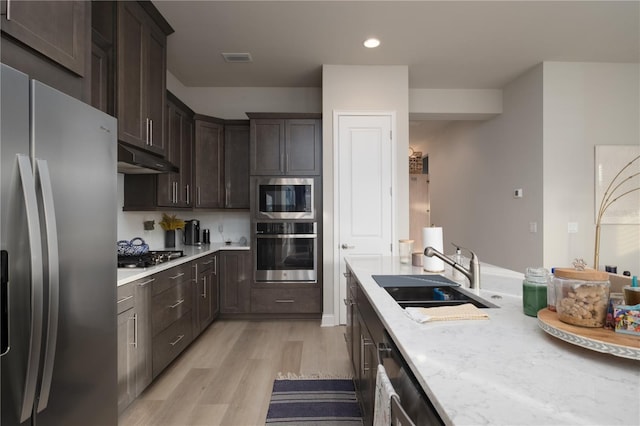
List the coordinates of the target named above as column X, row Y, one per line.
column 283, row 236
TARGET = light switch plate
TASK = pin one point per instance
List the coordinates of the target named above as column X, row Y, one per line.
column 572, row 227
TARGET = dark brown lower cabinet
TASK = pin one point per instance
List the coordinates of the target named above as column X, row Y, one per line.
column 205, row 288
column 134, row 341
column 171, row 314
column 235, row 282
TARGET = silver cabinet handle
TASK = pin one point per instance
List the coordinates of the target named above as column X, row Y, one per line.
column 37, row 285
column 124, row 299
column 347, row 246
column 204, row 287
column 188, row 194
column 198, row 193
column 143, row 284
column 151, row 132
column 8, row 10
column 174, row 192
column 43, row 180
column 177, row 276
column 178, row 303
column 208, row 263
column 284, row 301
column 177, row 340
column 346, row 274
column 147, row 135
column 215, row 266
column 135, row 330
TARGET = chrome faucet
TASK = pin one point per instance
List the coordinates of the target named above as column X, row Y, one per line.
column 472, row 274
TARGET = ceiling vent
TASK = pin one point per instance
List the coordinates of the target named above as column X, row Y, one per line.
column 237, row 57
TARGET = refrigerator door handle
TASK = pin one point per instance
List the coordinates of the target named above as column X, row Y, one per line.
column 4, row 294
column 43, row 183
column 37, row 290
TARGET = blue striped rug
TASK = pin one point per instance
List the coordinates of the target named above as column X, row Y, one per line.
column 314, row 402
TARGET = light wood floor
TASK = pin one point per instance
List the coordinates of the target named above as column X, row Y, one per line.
column 226, row 376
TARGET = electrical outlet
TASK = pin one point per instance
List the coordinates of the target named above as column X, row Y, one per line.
column 220, row 228
column 517, row 193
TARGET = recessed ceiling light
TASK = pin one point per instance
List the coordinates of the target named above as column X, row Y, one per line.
column 237, row 57
column 371, row 43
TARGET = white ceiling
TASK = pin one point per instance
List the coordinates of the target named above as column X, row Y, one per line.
column 446, row 44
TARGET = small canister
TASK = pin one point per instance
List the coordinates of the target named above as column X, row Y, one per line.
column 534, row 290
column 582, row 297
column 206, row 236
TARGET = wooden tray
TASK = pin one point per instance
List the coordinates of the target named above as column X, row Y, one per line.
column 596, row 339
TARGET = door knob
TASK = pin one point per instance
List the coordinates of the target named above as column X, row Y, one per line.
column 347, row 246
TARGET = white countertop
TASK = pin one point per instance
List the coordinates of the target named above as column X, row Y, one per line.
column 126, row 275
column 504, row 371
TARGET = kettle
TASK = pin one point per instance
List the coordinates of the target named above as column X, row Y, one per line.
column 192, row 232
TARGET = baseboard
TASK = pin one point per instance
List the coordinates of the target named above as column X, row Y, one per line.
column 328, row 320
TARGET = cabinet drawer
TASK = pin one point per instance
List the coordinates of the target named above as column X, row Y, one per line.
column 171, row 342
column 125, row 297
column 170, row 305
column 172, row 277
column 286, row 300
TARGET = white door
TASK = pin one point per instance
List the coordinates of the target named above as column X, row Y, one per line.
column 364, row 191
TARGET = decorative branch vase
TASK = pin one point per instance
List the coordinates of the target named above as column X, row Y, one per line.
column 170, row 238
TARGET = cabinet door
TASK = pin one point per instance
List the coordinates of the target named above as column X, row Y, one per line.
column 155, row 87
column 236, row 166
column 208, row 163
column 54, row 28
column 267, row 147
column 168, row 183
column 132, row 124
column 215, row 287
column 235, row 282
column 185, row 196
column 303, row 143
column 144, row 371
column 126, row 360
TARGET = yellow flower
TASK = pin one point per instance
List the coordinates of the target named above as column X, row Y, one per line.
column 169, row 223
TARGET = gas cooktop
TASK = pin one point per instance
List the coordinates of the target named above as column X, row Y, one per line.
column 151, row 258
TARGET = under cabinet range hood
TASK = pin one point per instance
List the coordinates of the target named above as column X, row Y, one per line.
column 134, row 161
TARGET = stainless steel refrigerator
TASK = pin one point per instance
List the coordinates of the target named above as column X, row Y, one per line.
column 58, row 233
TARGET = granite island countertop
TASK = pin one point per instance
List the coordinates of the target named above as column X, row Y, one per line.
column 505, row 370
column 126, row 275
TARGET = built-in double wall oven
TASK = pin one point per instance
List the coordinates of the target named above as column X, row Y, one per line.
column 285, row 230
column 286, row 251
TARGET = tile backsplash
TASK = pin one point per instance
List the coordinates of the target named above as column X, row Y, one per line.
column 235, row 225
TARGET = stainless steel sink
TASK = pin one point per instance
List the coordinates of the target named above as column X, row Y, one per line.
column 428, row 296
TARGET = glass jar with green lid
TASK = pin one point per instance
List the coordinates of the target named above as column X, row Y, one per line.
column 534, row 290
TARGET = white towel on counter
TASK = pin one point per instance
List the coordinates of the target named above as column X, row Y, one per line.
column 466, row 311
column 382, row 405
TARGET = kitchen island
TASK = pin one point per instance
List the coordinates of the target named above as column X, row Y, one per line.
column 505, row 370
column 191, row 253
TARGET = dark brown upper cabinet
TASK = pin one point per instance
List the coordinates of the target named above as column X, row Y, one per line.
column 236, row 164
column 56, row 29
column 208, row 163
column 141, row 76
column 174, row 189
column 285, row 146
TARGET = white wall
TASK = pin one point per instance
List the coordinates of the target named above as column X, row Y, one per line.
column 474, row 168
column 586, row 104
column 362, row 88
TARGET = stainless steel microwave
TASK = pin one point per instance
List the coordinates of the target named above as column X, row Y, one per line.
column 284, row 198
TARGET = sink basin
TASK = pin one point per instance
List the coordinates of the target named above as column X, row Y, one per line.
column 429, row 297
